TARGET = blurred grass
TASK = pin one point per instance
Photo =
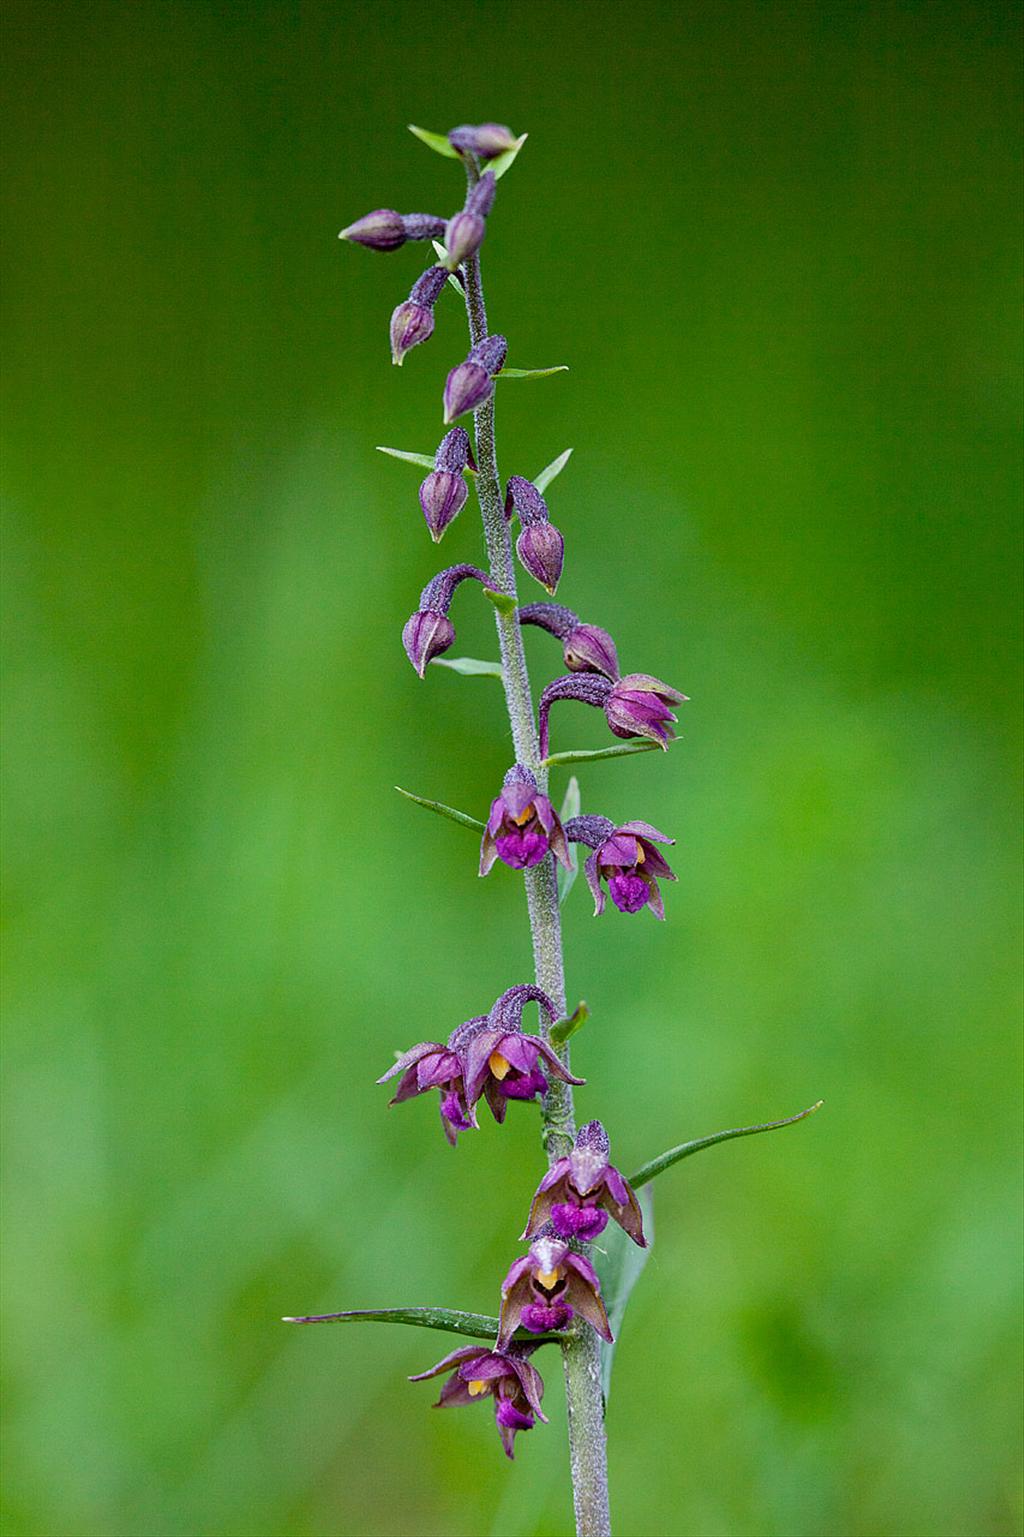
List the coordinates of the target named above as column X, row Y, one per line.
column 779, row 247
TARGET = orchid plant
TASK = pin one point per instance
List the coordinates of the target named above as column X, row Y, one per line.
column 568, row 1292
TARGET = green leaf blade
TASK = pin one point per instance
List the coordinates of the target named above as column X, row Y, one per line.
column 469, row 666
column 426, row 460
column 462, row 817
column 570, row 808
column 564, row 1029
column 619, row 1263
column 626, row 750
column 532, row 373
column 478, row 1326
column 548, row 473
column 501, row 163
column 438, row 142
column 657, row 1166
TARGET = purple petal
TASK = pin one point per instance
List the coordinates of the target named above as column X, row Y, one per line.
column 540, row 1317
column 409, row 1057
column 645, row 830
column 462, row 1354
column 594, row 882
column 581, row 1222
column 629, row 892
column 522, row 848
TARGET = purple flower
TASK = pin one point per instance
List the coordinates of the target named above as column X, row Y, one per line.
column 386, row 230
column 636, row 705
column 429, row 631
column 585, row 647
column 413, row 321
column 471, row 383
column 540, row 546
column 624, row 857
column 507, row 1376
column 579, row 1193
column 500, row 1062
column 488, row 140
column 443, row 493
column 433, row 1066
column 522, row 826
column 547, row 1288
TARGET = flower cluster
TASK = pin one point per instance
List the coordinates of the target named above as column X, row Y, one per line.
column 554, row 1287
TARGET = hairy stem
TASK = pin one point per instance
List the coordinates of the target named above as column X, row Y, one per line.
column 581, row 1350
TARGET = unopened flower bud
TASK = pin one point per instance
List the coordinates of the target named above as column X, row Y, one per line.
column 455, row 452
column 541, row 549
column 463, row 237
column 382, row 230
column 490, row 354
column 410, row 324
column 426, row 635
column 442, row 496
column 588, row 648
column 487, row 140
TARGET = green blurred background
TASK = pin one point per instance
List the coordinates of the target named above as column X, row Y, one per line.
column 778, row 244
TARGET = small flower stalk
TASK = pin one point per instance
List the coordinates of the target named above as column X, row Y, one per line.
column 583, row 1211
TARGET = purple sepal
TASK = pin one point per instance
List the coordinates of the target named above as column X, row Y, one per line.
column 381, row 230
column 488, row 140
column 463, row 237
column 411, row 324
column 579, row 1193
column 467, row 387
column 522, row 825
column 638, row 706
column 541, row 550
column 442, row 497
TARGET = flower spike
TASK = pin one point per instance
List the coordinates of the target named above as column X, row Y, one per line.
column 547, row 1288
column 626, row 858
column 585, row 647
column 522, row 826
column 506, row 1376
column 579, row 1193
column 429, row 631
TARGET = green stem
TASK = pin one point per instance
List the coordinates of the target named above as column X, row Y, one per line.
column 580, row 1351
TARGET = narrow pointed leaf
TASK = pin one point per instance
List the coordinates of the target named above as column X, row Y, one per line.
column 469, row 666
column 426, row 460
column 438, row 142
column 563, row 1029
column 442, row 810
column 453, row 277
column 547, row 475
column 500, row 164
column 479, row 1326
column 625, row 751
column 619, row 1261
column 532, row 373
column 658, row 1165
column 570, row 808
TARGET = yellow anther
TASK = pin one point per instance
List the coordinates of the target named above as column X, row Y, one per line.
column 498, row 1066
column 547, row 1278
column 640, row 855
column 524, row 816
column 476, row 1387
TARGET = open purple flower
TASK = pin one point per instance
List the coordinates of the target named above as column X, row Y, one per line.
column 636, row 705
column 429, row 631
column 507, row 1376
column 625, row 858
column 546, row 1288
column 433, row 1066
column 501, row 1062
column 579, row 1193
column 585, row 647
column 522, row 825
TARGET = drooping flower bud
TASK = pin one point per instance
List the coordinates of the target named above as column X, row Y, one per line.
column 488, row 140
column 522, row 826
column 471, row 383
column 579, row 1193
column 429, row 631
column 507, row 1376
column 624, row 857
column 636, row 705
column 386, row 230
column 585, row 647
column 413, row 321
column 540, row 546
column 546, row 1288
column 443, row 493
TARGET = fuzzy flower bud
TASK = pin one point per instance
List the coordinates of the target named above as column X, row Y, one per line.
column 471, row 383
column 540, row 546
column 585, row 647
column 443, row 493
column 522, row 826
column 546, row 1288
column 386, row 230
column 625, row 858
column 413, row 321
column 579, row 1193
column 488, row 140
column 429, row 631
column 636, row 705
